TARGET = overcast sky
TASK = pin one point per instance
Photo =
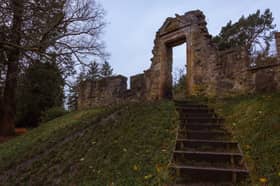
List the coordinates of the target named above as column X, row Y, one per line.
column 132, row 25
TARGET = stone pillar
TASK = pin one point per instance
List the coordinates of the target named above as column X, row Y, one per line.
column 189, row 82
column 277, row 39
column 165, row 88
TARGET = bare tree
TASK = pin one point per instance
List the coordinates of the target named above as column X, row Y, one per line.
column 65, row 30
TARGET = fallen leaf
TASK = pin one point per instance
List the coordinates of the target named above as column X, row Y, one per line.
column 149, row 176
column 135, row 168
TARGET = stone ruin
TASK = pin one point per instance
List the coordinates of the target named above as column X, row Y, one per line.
column 110, row 91
column 209, row 72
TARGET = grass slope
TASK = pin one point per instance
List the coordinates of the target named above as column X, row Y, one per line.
column 131, row 147
column 255, row 123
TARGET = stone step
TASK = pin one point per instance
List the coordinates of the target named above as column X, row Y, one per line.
column 215, row 135
column 195, row 126
column 207, row 145
column 202, row 120
column 197, row 115
column 210, row 174
column 191, row 115
column 213, row 159
column 204, row 153
column 218, row 130
column 184, row 123
column 193, row 109
column 189, row 104
column 203, row 183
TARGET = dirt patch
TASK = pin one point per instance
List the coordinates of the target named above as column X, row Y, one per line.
column 18, row 132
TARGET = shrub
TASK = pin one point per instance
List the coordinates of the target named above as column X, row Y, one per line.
column 52, row 113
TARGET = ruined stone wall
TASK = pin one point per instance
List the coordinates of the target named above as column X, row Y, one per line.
column 137, row 86
column 209, row 72
column 203, row 62
column 232, row 73
column 111, row 90
column 103, row 92
column 152, row 81
column 238, row 75
column 277, row 39
column 202, row 56
column 266, row 78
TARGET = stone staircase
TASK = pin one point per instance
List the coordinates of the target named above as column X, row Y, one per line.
column 205, row 154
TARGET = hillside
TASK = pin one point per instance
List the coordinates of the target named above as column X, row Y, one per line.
column 255, row 123
column 130, row 145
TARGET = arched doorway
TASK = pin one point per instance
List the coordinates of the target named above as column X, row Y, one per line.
column 189, row 28
column 166, row 65
column 179, row 71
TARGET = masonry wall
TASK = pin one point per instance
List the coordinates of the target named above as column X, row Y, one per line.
column 111, row 90
column 232, row 73
column 210, row 72
column 137, row 86
column 201, row 54
column 103, row 92
column 266, row 78
column 277, row 39
column 238, row 75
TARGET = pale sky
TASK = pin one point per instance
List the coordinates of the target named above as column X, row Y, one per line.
column 132, row 25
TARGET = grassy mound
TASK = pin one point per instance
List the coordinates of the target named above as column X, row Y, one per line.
column 255, row 123
column 127, row 146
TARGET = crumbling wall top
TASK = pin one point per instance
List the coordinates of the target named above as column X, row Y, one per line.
column 180, row 21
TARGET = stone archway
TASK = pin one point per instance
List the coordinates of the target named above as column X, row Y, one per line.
column 201, row 55
column 166, row 58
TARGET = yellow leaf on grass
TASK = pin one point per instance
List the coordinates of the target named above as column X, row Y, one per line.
column 158, row 168
column 135, row 168
column 263, row 180
column 149, row 176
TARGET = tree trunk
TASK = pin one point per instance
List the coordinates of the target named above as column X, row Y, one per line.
column 9, row 105
column 7, row 120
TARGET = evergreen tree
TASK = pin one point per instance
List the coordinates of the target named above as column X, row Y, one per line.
column 73, row 98
column 40, row 88
column 254, row 31
column 73, row 94
column 106, row 70
column 93, row 72
column 34, row 30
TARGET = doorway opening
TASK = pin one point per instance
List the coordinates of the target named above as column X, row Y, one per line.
column 179, row 71
column 178, row 46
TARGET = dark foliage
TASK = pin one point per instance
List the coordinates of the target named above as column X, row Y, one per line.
column 52, row 113
column 95, row 71
column 251, row 33
column 30, row 31
column 40, row 89
column 106, row 70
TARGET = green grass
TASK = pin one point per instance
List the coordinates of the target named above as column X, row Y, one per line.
column 255, row 123
column 48, row 134
column 132, row 147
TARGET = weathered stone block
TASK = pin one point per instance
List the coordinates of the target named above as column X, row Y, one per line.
column 102, row 92
column 209, row 72
column 137, row 86
column 265, row 81
column 277, row 39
